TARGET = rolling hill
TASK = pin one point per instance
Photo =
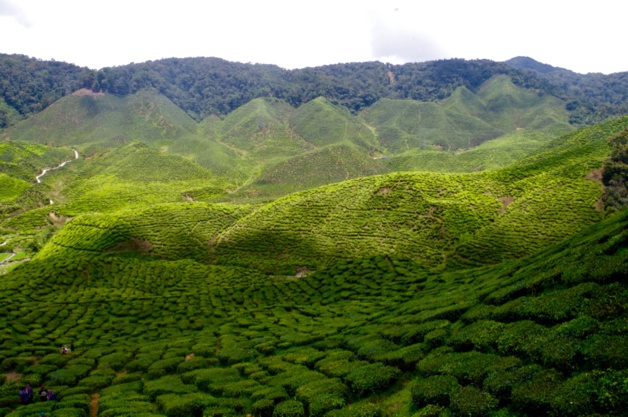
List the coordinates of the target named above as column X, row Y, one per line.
column 95, row 123
column 321, row 244
column 367, row 337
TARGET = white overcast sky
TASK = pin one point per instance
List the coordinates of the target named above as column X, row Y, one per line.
column 582, row 36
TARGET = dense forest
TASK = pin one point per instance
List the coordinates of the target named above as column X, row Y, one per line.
column 590, row 97
column 204, row 86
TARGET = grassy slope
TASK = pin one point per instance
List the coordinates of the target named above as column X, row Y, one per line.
column 20, row 162
column 436, row 219
column 95, row 124
column 406, row 124
column 329, row 164
column 131, row 178
column 439, row 220
column 25, row 160
column 509, row 107
column 321, row 123
column 377, row 336
column 166, row 231
column 257, row 140
column 260, row 130
column 490, row 155
column 133, row 175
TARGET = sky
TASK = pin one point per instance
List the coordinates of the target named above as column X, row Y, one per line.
column 581, row 36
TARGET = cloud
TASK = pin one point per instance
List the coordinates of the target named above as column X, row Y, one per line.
column 7, row 8
column 399, row 44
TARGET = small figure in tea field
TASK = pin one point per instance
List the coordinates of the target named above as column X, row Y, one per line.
column 51, row 396
column 43, row 394
column 64, row 350
column 29, row 392
column 24, row 397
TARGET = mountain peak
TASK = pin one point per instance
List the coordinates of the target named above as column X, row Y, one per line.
column 524, row 62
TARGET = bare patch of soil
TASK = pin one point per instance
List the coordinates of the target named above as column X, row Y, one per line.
column 188, row 198
column 384, row 191
column 302, row 272
column 190, row 356
column 87, row 92
column 596, row 175
column 93, row 405
column 13, row 377
column 58, row 220
column 506, row 201
column 133, row 245
column 123, row 373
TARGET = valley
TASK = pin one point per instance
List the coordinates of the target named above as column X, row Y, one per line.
column 462, row 255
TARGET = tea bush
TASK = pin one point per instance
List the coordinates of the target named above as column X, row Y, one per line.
column 368, row 379
column 290, row 408
column 435, row 390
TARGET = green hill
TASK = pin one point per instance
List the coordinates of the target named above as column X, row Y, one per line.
column 20, row 163
column 329, row 164
column 96, row 123
column 490, row 155
column 165, row 231
column 510, row 107
column 367, row 337
column 402, row 125
column 251, row 144
column 451, row 257
column 439, row 220
column 26, row 160
column 259, row 129
column 321, row 123
column 133, row 175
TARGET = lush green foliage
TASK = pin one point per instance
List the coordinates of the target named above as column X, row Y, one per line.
column 30, row 85
column 591, row 97
column 523, row 336
column 403, row 294
column 615, row 174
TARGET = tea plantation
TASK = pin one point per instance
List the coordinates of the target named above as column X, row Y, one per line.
column 373, row 336
column 183, row 291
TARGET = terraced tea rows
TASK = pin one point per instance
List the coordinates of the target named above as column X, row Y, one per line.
column 379, row 336
column 440, row 220
column 166, row 231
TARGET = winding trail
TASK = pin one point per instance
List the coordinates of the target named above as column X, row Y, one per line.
column 62, row 164
column 8, row 259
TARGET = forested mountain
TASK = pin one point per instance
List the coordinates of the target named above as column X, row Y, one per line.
column 590, row 97
column 29, row 85
column 205, row 86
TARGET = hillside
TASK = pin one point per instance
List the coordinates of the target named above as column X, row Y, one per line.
column 435, row 219
column 268, row 137
column 368, row 337
column 357, row 240
column 95, row 123
column 441, row 221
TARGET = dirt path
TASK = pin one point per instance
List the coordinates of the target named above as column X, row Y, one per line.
column 13, row 377
column 93, row 405
column 62, row 164
column 8, row 259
